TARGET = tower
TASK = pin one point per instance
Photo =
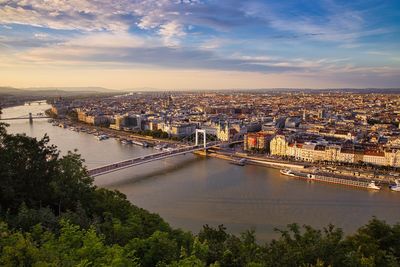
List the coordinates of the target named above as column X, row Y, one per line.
column 204, row 137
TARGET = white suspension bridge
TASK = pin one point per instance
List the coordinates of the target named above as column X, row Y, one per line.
column 156, row 156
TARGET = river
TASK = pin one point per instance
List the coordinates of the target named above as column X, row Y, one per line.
column 190, row 191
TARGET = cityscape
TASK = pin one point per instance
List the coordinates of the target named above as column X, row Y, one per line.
column 334, row 127
column 199, row 133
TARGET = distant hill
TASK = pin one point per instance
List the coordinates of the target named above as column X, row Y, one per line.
column 10, row 91
column 54, row 91
column 73, row 89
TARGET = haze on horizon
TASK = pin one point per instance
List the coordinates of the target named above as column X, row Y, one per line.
column 200, row 44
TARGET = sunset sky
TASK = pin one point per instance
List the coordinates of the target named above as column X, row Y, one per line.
column 190, row 44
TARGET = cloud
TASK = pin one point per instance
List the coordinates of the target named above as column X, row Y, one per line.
column 127, row 51
column 335, row 23
column 66, row 14
column 171, row 31
column 169, row 19
column 302, row 38
column 377, row 53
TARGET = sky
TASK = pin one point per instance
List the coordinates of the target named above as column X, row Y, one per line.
column 196, row 44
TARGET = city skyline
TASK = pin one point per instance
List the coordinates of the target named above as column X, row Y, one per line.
column 199, row 44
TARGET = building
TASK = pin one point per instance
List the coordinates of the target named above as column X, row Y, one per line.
column 292, row 122
column 257, row 141
column 393, row 157
column 93, row 118
column 278, row 145
column 321, row 114
column 182, row 129
column 375, row 157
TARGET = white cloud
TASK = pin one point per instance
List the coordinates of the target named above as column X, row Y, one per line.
column 66, row 14
column 171, row 32
column 41, row 36
column 377, row 53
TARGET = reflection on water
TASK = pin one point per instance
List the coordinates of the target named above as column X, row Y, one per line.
column 190, row 191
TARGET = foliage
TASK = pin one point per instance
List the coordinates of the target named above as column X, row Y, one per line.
column 51, row 214
column 156, row 133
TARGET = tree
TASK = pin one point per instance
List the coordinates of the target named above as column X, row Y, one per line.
column 27, row 166
column 152, row 251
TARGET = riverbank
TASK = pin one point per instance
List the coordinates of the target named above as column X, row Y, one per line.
column 305, row 168
column 345, row 173
column 255, row 161
column 112, row 133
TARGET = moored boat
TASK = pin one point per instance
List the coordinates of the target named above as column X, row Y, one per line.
column 135, row 142
column 101, row 137
column 373, row 186
column 287, row 172
column 240, row 162
column 125, row 142
column 395, row 187
column 158, row 147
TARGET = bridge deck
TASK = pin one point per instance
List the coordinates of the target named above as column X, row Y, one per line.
column 24, row 118
column 144, row 159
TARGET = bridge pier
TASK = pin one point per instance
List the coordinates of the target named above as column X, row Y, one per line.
column 30, row 118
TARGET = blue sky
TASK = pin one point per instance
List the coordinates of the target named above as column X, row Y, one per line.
column 200, row 44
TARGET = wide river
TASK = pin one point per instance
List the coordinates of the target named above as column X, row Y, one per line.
column 190, row 191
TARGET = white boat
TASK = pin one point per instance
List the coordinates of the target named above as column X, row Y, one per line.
column 101, row 137
column 373, row 186
column 125, row 142
column 395, row 187
column 287, row 172
column 240, row 162
column 158, row 147
column 136, row 142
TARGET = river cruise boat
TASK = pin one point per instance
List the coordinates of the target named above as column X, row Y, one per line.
column 332, row 179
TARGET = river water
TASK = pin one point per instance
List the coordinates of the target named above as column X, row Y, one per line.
column 190, row 191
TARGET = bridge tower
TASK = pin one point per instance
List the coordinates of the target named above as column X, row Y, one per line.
column 203, row 132
column 30, row 118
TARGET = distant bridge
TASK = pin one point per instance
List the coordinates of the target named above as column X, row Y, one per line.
column 29, row 117
column 146, row 159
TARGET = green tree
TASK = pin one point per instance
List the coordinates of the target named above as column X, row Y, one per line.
column 155, row 250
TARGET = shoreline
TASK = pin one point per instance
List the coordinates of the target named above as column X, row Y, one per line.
column 224, row 155
column 280, row 165
column 152, row 141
